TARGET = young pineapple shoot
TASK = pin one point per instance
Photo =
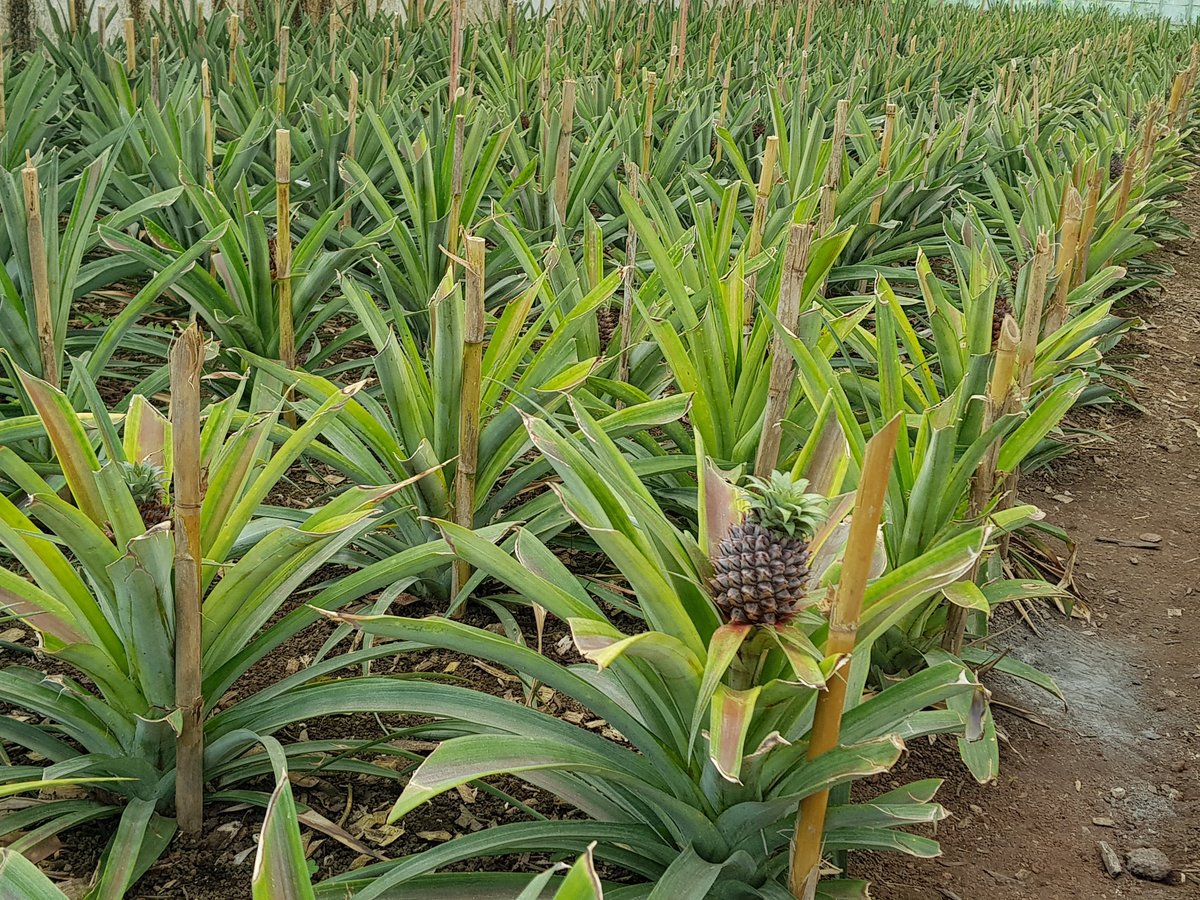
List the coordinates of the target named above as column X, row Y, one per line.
column 761, row 565
column 145, row 481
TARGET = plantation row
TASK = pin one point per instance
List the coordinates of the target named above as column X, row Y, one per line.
column 720, row 334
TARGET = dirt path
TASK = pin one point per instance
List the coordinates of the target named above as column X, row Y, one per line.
column 1122, row 763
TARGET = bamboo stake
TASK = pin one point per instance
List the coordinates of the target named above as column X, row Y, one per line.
column 712, row 55
column 766, row 180
column 627, row 275
column 683, row 24
column 187, row 360
column 155, row 95
column 130, row 48
column 1065, row 266
column 1087, row 227
column 351, row 137
column 43, row 312
column 779, row 388
column 72, row 17
column 283, row 245
column 833, row 174
column 334, row 24
column 651, row 81
column 383, row 69
column 619, row 74
column 468, row 408
column 102, row 23
column 455, row 48
column 206, row 94
column 562, row 162
column 3, row 111
column 234, row 36
column 885, row 155
column 843, row 632
column 983, row 482
column 281, row 71
column 456, row 188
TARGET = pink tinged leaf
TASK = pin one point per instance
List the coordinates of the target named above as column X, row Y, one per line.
column 721, row 510
column 732, row 713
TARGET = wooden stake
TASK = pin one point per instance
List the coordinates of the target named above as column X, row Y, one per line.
column 234, row 36
column 206, row 92
column 283, row 245
column 130, row 47
column 683, row 24
column 805, row 869
column 455, row 48
column 383, row 69
column 1065, row 266
column 1087, row 227
column 334, row 23
column 351, row 137
column 627, row 275
column 281, row 71
column 758, row 221
column 187, row 361
column 43, row 312
column 155, row 93
column 648, row 120
column 468, row 408
column 885, row 155
column 833, row 174
column 779, row 388
column 562, row 162
column 456, row 188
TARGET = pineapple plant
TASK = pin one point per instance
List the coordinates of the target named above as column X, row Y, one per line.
column 761, row 565
column 145, row 482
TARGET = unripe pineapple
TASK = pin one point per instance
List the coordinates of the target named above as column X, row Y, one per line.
column 607, row 319
column 762, row 564
column 1116, row 166
column 145, row 481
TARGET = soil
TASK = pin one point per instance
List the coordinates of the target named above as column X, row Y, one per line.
column 1121, row 763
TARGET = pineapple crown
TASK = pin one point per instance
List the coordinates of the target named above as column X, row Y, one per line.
column 144, row 479
column 782, row 503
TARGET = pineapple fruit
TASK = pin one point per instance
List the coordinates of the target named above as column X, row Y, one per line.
column 761, row 565
column 145, row 481
column 1116, row 166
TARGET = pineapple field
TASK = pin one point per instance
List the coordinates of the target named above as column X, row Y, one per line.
column 611, row 449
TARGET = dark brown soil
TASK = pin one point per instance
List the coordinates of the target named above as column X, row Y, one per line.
column 1122, row 763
